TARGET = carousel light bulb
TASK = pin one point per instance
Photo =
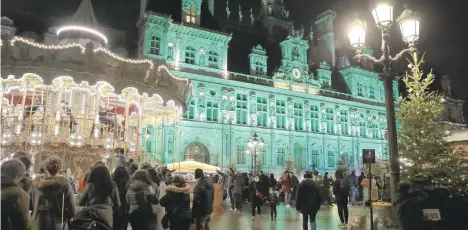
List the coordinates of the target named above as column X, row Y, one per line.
column 18, row 129
column 57, row 115
column 56, row 130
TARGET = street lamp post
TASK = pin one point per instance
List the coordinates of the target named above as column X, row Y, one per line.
column 254, row 144
column 409, row 27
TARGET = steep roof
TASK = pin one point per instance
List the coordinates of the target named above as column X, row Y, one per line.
column 85, row 15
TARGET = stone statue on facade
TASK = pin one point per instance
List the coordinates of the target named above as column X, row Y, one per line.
column 446, row 86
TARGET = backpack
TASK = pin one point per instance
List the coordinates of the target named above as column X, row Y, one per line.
column 345, row 186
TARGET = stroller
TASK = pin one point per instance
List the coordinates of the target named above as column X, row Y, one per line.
column 88, row 219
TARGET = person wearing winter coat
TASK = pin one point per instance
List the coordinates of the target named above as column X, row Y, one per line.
column 273, row 181
column 408, row 209
column 15, row 201
column 294, row 185
column 160, row 210
column 177, row 204
column 140, row 197
column 286, row 182
column 327, row 181
column 256, row 196
column 203, row 195
column 237, row 189
column 25, row 182
column 100, row 195
column 273, row 200
column 353, row 182
column 341, row 198
column 308, row 200
column 49, row 195
column 121, row 179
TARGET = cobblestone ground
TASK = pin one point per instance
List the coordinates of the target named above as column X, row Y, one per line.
column 287, row 219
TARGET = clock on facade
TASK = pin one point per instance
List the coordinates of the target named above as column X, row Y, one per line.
column 296, row 73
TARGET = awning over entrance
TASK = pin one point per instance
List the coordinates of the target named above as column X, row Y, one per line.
column 190, row 166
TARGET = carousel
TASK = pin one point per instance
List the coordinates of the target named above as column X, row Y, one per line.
column 50, row 106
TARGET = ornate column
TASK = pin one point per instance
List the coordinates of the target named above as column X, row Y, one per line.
column 307, row 114
column 201, row 113
column 290, row 114
column 253, row 109
column 272, row 111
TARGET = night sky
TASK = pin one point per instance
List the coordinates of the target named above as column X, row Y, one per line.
column 443, row 26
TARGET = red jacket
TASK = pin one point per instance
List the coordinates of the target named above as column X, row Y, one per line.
column 286, row 182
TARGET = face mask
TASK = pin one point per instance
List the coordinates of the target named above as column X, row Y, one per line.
column 271, row 192
column 256, row 180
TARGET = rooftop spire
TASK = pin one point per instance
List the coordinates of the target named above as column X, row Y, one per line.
column 85, row 14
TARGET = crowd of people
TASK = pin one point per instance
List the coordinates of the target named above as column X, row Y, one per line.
column 145, row 197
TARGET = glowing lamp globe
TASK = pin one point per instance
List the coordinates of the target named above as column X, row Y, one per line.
column 357, row 33
column 383, row 14
column 409, row 25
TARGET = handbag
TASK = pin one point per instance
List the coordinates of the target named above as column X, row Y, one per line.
column 257, row 193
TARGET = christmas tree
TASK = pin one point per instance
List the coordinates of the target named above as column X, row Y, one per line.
column 423, row 152
column 291, row 163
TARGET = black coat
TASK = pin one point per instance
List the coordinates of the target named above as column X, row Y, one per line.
column 177, row 203
column 265, row 180
column 253, row 188
column 15, row 202
column 203, row 195
column 308, row 198
column 340, row 196
column 409, row 213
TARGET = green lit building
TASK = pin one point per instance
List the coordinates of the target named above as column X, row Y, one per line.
column 296, row 107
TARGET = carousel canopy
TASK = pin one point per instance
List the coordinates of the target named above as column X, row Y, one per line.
column 190, row 166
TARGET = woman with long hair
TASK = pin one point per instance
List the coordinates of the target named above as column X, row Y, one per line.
column 177, row 204
column 273, row 181
column 101, row 195
column 51, row 198
column 140, row 197
column 286, row 182
column 121, row 179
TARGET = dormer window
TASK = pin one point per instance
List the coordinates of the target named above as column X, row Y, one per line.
column 213, row 59
column 191, row 14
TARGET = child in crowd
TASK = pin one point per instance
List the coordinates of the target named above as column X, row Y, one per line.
column 273, row 200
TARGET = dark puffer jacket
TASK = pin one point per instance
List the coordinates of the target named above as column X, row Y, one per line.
column 308, row 198
column 203, row 195
column 177, row 203
column 15, row 202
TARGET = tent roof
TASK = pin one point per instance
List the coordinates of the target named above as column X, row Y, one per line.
column 190, row 166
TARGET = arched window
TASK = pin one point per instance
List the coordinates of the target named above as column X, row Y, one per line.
column 280, row 157
column 213, row 59
column 240, row 151
column 190, row 55
column 331, row 159
column 155, row 45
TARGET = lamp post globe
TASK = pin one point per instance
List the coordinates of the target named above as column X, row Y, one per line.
column 408, row 22
column 357, row 33
column 383, row 14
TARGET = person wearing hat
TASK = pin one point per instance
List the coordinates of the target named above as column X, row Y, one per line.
column 354, row 186
column 203, row 195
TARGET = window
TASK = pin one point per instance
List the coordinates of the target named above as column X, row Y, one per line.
column 213, row 59
column 280, row 157
column 373, row 128
column 331, row 159
column 262, row 117
column 298, row 116
column 212, row 111
column 359, row 90
column 344, row 122
column 241, row 109
column 362, row 126
column 190, row 113
column 372, row 92
column 315, row 157
column 190, row 55
column 155, row 45
column 240, row 154
column 259, row 68
column 314, row 116
column 329, row 120
column 385, row 152
column 280, row 114
column 191, row 14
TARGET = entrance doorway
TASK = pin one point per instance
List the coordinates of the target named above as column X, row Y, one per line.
column 197, row 151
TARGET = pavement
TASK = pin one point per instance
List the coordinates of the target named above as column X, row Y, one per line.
column 287, row 219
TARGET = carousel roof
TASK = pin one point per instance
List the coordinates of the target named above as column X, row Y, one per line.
column 190, row 166
column 89, row 65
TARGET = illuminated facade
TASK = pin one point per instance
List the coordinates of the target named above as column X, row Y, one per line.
column 294, row 109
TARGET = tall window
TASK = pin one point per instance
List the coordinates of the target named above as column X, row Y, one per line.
column 331, row 159
column 190, row 113
column 360, row 91
column 344, row 122
column 259, row 68
column 315, row 157
column 280, row 157
column 190, row 55
column 372, row 92
column 362, row 126
column 212, row 111
column 191, row 14
column 280, row 114
column 262, row 116
column 240, row 151
column 298, row 116
column 241, row 109
column 330, row 121
column 213, row 59
column 373, row 128
column 155, row 45
column 314, row 117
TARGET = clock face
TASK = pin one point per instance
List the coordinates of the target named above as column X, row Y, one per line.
column 296, row 73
